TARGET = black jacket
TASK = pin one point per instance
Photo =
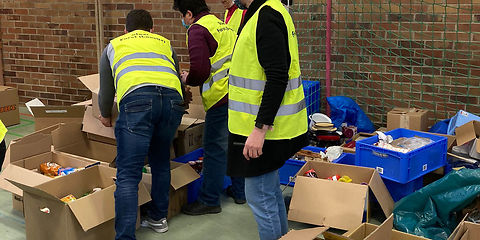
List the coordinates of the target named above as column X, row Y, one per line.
column 274, row 57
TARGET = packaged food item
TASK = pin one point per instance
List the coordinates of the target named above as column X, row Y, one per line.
column 49, row 169
column 339, row 178
column 66, row 171
column 311, row 173
column 334, row 177
column 68, row 198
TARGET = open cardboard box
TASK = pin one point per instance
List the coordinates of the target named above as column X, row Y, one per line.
column 92, row 82
column 69, row 138
column 409, row 118
column 356, row 137
column 466, row 231
column 335, row 204
column 9, row 112
column 181, row 175
column 92, row 125
column 46, row 116
column 88, row 217
column 469, row 132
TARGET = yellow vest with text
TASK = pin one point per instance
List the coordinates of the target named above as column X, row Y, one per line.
column 235, row 20
column 141, row 57
column 3, row 131
column 216, row 86
column 247, row 82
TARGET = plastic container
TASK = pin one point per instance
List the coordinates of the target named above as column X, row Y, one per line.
column 194, row 187
column 402, row 167
column 288, row 171
column 459, row 119
column 312, row 96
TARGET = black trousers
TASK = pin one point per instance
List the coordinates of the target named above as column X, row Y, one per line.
column 3, row 149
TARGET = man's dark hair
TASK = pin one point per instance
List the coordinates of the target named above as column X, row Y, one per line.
column 195, row 6
column 139, row 19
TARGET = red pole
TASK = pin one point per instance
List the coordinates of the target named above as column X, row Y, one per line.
column 328, row 50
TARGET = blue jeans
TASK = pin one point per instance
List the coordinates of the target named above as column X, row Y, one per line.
column 238, row 187
column 215, row 144
column 148, row 119
column 266, row 201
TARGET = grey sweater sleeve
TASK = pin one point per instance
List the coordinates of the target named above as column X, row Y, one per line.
column 107, row 87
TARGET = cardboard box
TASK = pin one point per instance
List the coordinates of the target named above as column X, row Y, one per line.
column 52, row 115
column 181, row 175
column 409, row 118
column 189, row 136
column 92, row 125
column 466, row 231
column 359, row 136
column 335, row 204
column 17, row 203
column 92, row 82
column 69, row 138
column 88, row 217
column 469, row 132
column 304, row 234
column 9, row 112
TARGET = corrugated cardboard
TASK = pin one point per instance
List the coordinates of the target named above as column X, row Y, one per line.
column 468, row 132
column 92, row 82
column 382, row 232
column 51, row 115
column 356, row 137
column 9, row 112
column 335, row 204
column 17, row 203
column 189, row 136
column 466, row 231
column 304, row 234
column 181, row 175
column 93, row 125
column 89, row 217
column 409, row 118
column 69, row 138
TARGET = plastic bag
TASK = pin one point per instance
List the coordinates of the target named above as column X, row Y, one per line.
column 431, row 211
column 440, row 127
column 344, row 109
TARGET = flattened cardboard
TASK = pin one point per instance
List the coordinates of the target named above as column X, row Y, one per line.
column 93, row 125
column 50, row 115
column 9, row 111
column 409, row 118
column 336, row 204
column 304, row 234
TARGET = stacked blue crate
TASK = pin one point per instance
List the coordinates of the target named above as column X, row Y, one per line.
column 312, row 96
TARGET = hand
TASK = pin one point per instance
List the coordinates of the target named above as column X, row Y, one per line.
column 187, row 99
column 254, row 144
column 184, row 76
column 107, row 122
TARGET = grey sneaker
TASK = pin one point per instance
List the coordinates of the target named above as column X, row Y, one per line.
column 159, row 226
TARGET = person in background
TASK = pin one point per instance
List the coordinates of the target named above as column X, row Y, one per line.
column 233, row 15
column 142, row 69
column 3, row 146
column 267, row 116
column 210, row 44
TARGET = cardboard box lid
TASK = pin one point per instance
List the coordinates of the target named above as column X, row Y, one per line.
column 67, row 134
column 468, row 132
column 91, row 210
column 93, row 125
column 188, row 122
column 336, row 204
column 30, row 146
column 304, row 234
column 58, row 111
column 182, row 174
column 92, row 82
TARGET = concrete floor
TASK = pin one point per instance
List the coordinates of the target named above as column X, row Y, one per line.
column 234, row 222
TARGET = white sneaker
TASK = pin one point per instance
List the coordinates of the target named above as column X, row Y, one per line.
column 159, row 226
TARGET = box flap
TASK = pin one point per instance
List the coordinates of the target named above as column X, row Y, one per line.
column 92, row 82
column 95, row 208
column 6, row 185
column 93, row 125
column 21, row 175
column 188, row 122
column 34, row 190
column 399, row 111
column 58, row 111
column 34, row 103
column 84, row 103
column 304, row 234
column 67, row 134
column 467, row 132
column 29, row 146
column 384, row 231
column 382, row 194
column 4, row 88
column 329, row 203
column 182, row 175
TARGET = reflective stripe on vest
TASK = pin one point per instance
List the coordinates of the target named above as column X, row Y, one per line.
column 143, row 68
column 284, row 110
column 259, row 85
column 140, row 55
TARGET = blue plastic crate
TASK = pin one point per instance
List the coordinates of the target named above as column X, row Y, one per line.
column 288, row 171
column 402, row 167
column 312, row 96
column 194, row 187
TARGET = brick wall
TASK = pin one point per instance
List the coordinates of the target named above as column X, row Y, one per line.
column 384, row 55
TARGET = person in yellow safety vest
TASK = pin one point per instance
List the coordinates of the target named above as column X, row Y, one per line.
column 141, row 68
column 233, row 15
column 267, row 116
column 210, row 45
column 3, row 146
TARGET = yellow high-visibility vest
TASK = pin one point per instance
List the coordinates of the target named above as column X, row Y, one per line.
column 247, row 82
column 141, row 57
column 3, row 131
column 235, row 20
column 216, row 86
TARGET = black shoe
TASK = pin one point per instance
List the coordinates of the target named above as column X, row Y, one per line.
column 198, row 208
column 229, row 192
